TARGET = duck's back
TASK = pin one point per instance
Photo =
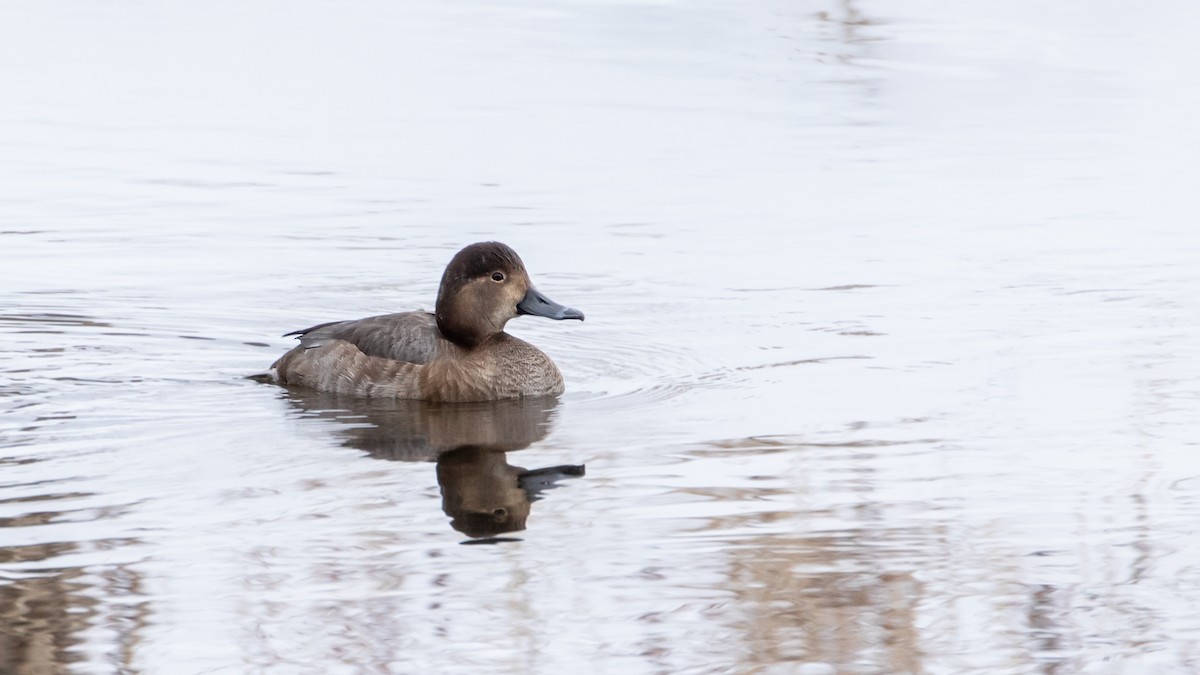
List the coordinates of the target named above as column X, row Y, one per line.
column 412, row 337
column 379, row 356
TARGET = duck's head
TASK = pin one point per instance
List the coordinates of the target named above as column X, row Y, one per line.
column 484, row 286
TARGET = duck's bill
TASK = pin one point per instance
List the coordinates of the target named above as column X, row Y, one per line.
column 536, row 304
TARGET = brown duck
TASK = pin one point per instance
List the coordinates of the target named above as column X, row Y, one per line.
column 458, row 353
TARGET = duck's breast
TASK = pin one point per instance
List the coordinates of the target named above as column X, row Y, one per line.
column 504, row 367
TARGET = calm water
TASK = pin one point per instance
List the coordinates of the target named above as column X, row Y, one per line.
column 892, row 359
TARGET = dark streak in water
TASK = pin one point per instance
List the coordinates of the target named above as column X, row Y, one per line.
column 766, row 445
column 17, row 461
column 82, row 380
column 54, row 496
column 800, row 362
column 771, row 289
column 1098, row 290
column 54, row 319
column 846, row 287
column 204, row 184
column 38, row 483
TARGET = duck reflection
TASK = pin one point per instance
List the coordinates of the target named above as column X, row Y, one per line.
column 482, row 493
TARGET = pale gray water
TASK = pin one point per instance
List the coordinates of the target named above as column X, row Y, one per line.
column 892, row 359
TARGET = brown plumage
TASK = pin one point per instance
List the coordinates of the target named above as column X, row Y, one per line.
column 459, row 353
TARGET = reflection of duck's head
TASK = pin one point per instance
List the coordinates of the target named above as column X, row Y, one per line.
column 485, row 496
column 481, row 492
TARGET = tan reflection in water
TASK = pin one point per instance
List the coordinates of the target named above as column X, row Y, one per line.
column 848, row 576
column 829, row 617
column 823, row 596
column 44, row 616
column 482, row 493
column 41, row 617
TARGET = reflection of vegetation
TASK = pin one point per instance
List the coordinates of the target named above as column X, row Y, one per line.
column 805, row 609
column 849, row 18
column 46, row 609
column 43, row 617
column 858, row 580
column 845, row 26
column 823, row 583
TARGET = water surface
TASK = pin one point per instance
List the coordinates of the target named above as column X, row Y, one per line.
column 891, row 362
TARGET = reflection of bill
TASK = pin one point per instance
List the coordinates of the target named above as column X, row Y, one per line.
column 481, row 492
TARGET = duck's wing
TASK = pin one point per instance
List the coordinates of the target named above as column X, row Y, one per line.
column 410, row 337
column 340, row 367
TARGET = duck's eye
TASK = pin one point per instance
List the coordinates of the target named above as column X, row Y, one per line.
column 497, row 276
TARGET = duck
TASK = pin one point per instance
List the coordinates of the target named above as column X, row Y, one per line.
column 459, row 353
